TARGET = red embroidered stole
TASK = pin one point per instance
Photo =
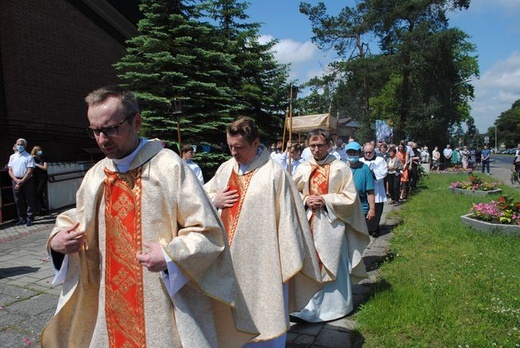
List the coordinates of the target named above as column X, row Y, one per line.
column 124, row 301
column 229, row 216
column 318, row 185
column 319, row 182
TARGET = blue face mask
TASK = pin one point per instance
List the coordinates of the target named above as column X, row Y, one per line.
column 21, row 148
column 353, row 159
column 39, row 153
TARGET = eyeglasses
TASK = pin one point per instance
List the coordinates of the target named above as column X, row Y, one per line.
column 369, row 152
column 319, row 146
column 110, row 131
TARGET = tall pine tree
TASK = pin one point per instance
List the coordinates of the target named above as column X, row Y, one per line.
column 176, row 58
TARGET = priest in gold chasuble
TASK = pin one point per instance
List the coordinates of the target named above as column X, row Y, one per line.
column 142, row 257
column 267, row 233
column 338, row 228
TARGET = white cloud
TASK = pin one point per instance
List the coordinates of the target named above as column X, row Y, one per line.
column 496, row 91
column 305, row 59
column 289, row 51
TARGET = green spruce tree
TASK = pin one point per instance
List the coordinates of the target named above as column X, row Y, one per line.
column 177, row 59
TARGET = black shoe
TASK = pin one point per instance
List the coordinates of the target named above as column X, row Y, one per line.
column 294, row 319
column 21, row 222
column 29, row 223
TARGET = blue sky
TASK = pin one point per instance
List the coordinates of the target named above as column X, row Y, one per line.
column 492, row 25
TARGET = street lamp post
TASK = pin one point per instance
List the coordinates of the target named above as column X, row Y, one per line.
column 496, row 141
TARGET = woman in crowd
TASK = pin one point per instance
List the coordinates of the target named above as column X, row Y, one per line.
column 395, row 167
column 455, row 157
column 40, row 179
column 436, row 159
column 402, row 154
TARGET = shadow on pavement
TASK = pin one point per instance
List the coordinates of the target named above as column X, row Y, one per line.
column 15, row 271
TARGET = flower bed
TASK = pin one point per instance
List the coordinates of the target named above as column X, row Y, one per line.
column 475, row 185
column 501, row 215
column 474, row 192
column 489, row 227
column 457, row 169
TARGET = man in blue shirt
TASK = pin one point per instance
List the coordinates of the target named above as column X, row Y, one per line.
column 362, row 179
column 486, row 154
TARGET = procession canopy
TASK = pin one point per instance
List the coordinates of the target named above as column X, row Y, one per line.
column 306, row 123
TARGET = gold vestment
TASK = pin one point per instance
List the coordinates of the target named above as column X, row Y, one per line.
column 342, row 218
column 176, row 212
column 271, row 244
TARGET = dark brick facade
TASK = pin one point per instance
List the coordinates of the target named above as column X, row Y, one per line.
column 52, row 53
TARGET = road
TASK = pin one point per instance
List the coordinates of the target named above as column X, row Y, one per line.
column 500, row 168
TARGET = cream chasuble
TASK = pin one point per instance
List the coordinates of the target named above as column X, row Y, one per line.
column 270, row 243
column 340, row 236
column 108, row 299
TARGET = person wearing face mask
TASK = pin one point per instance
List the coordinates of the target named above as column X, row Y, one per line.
column 21, row 166
column 340, row 234
column 379, row 170
column 40, row 179
column 363, row 180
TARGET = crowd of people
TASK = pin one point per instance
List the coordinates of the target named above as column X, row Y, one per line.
column 28, row 172
column 394, row 168
column 461, row 158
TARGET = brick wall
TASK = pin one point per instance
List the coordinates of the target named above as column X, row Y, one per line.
column 52, row 54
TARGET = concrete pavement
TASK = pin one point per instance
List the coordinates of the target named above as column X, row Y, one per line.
column 27, row 300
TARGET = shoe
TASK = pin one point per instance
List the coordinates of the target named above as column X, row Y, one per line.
column 29, row 223
column 294, row 319
column 21, row 222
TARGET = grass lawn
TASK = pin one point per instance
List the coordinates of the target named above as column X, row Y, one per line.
column 449, row 285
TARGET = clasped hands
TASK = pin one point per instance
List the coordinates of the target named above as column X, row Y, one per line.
column 70, row 240
column 315, row 202
column 19, row 183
